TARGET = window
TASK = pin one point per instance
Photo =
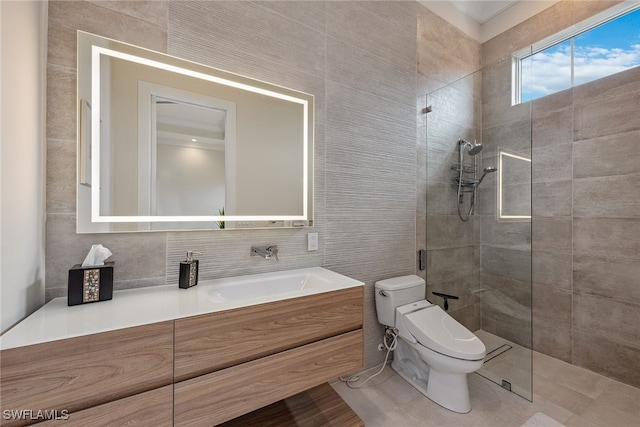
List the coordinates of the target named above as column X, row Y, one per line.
column 603, row 45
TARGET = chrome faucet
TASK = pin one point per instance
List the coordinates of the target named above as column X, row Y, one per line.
column 266, row 252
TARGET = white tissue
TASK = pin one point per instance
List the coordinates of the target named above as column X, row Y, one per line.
column 96, row 256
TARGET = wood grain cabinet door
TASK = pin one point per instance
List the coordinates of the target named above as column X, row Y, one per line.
column 228, row 393
column 78, row 373
column 149, row 409
column 219, row 340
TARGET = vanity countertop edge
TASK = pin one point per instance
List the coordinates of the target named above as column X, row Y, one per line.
column 141, row 306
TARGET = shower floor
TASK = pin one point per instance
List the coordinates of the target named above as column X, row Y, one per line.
column 506, row 361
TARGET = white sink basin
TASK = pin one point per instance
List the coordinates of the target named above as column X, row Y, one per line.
column 303, row 281
column 142, row 306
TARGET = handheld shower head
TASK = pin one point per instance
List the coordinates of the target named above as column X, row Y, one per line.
column 488, row 169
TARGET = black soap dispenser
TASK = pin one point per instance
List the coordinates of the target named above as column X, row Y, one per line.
column 189, row 271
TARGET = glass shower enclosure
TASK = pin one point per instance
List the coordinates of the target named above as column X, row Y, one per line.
column 478, row 217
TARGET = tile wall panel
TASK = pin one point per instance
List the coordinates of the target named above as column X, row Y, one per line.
column 505, row 245
column 608, row 357
column 607, row 115
column 605, row 223
column 247, row 39
column 445, row 54
column 605, row 197
column 553, row 269
column 615, row 320
column 552, row 337
column 552, row 126
column 606, row 156
column 552, row 207
column 61, row 102
column 506, row 308
column 614, row 278
column 311, row 13
column 553, row 163
column 371, row 164
column 607, row 237
column 553, row 198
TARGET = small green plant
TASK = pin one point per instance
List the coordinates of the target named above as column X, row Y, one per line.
column 221, row 223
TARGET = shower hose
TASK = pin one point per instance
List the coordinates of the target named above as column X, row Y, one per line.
column 473, row 198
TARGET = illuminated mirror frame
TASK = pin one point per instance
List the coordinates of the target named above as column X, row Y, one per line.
column 213, row 75
column 501, row 215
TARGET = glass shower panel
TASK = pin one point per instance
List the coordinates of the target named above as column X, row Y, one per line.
column 485, row 260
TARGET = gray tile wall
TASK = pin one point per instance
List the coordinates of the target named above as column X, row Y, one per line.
column 446, row 55
column 584, row 230
column 606, row 226
column 505, row 244
column 586, row 245
column 552, row 224
column 357, row 58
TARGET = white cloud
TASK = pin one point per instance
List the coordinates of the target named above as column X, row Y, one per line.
column 551, row 70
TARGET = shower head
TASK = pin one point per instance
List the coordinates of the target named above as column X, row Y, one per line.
column 488, row 169
column 473, row 147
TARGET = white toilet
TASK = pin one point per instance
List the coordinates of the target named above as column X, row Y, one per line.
column 434, row 352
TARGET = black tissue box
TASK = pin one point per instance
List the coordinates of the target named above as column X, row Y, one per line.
column 90, row 284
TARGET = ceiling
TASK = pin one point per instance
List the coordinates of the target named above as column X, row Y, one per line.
column 481, row 11
column 485, row 19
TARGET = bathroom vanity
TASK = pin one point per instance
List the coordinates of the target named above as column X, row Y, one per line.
column 169, row 356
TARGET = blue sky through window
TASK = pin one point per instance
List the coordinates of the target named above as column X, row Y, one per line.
column 599, row 52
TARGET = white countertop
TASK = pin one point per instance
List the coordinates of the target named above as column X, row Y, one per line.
column 134, row 307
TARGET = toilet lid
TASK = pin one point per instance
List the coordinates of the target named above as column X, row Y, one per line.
column 449, row 338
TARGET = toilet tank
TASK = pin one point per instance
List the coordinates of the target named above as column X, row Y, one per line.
column 392, row 293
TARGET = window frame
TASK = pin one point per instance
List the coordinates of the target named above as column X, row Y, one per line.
column 569, row 33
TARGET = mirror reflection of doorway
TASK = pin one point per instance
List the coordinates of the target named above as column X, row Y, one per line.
column 189, row 159
column 186, row 154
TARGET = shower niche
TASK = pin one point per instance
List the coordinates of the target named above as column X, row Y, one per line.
column 478, row 217
column 514, row 186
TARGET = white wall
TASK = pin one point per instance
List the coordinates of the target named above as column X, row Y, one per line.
column 190, row 181
column 22, row 84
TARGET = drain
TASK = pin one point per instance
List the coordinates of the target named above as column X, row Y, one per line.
column 497, row 352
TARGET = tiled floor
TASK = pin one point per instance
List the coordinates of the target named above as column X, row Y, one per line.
column 506, row 361
column 570, row 395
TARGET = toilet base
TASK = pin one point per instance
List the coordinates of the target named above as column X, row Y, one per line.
column 449, row 390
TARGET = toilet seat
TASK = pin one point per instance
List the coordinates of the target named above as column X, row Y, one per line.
column 446, row 335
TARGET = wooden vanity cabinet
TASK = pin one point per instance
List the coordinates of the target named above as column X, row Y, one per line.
column 149, row 409
column 219, row 340
column 78, row 373
column 233, row 362
column 229, row 393
column 200, row 370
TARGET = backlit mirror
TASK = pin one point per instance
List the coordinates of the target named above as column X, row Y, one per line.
column 168, row 144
